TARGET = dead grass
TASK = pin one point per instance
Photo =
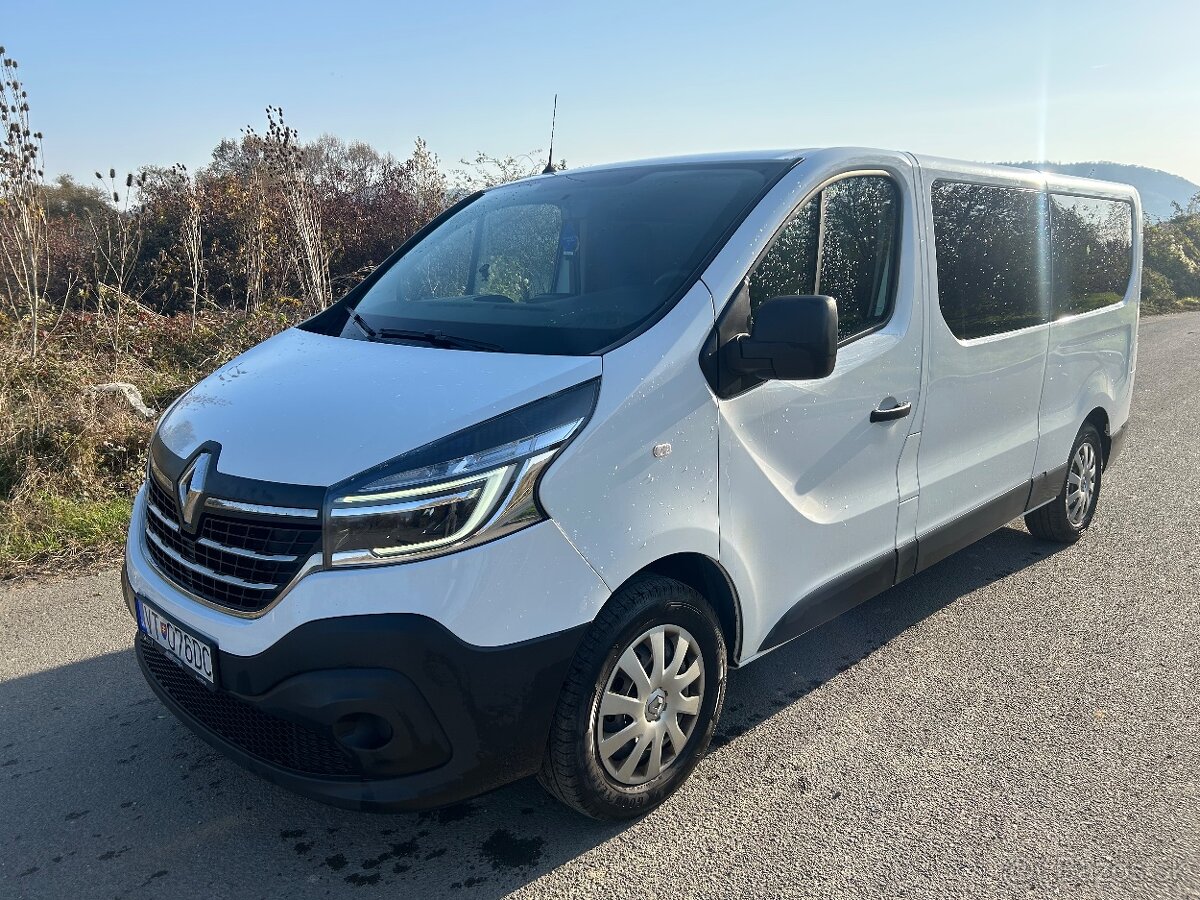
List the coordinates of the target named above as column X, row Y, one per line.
column 1157, row 306
column 70, row 459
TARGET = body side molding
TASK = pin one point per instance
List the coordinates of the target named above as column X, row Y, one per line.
column 874, row 577
column 832, row 599
column 967, row 529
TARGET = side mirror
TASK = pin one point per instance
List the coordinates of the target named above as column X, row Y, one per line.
column 791, row 339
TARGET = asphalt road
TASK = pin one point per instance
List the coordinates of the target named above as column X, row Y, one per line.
column 1019, row 720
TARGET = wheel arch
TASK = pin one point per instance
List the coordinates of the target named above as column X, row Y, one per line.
column 1098, row 418
column 709, row 578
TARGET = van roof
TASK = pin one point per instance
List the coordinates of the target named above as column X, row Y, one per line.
column 1032, row 177
column 734, row 156
column 934, row 164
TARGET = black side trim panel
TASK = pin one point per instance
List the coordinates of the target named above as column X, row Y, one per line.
column 865, row 582
column 906, row 561
column 1116, row 443
column 1046, row 487
column 832, row 599
column 979, row 523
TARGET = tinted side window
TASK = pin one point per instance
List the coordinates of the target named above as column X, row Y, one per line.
column 858, row 250
column 991, row 271
column 843, row 243
column 790, row 264
column 1092, row 250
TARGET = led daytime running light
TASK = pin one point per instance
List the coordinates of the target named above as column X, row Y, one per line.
column 475, row 462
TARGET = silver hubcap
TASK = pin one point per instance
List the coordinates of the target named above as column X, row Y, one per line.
column 650, row 704
column 1081, row 484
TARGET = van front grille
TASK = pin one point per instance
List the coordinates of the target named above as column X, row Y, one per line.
column 239, row 563
column 249, row 729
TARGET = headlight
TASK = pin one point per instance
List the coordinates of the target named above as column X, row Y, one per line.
column 456, row 492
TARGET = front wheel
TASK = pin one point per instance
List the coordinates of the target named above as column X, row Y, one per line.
column 1067, row 516
column 640, row 703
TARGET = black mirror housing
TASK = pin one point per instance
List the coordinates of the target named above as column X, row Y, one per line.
column 791, row 339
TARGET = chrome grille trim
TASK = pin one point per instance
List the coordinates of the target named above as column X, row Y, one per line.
column 158, row 514
column 242, row 551
column 204, row 570
column 241, row 564
column 260, row 510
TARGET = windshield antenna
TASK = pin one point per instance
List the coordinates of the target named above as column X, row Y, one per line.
column 549, row 170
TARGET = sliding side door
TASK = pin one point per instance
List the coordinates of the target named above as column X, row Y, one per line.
column 986, row 357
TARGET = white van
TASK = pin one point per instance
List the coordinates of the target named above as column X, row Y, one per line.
column 518, row 501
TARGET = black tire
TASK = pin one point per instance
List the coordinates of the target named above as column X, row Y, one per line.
column 1053, row 521
column 573, row 770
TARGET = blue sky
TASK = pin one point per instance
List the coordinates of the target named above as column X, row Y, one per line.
column 134, row 83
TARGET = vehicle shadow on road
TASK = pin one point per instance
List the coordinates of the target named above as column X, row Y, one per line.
column 103, row 787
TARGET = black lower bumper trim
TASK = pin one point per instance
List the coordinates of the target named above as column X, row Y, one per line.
column 268, row 738
column 459, row 720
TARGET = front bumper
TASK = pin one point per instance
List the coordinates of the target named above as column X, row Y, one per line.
column 485, row 595
column 460, row 719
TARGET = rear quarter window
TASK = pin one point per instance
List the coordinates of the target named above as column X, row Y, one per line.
column 1091, row 243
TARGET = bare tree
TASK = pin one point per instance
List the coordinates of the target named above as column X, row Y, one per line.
column 254, row 225
column 24, row 227
column 285, row 160
column 191, row 235
column 426, row 181
column 486, row 171
column 118, row 242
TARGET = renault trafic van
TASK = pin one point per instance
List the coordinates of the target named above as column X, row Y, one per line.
column 517, row 502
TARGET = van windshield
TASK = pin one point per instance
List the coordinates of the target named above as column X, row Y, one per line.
column 566, row 264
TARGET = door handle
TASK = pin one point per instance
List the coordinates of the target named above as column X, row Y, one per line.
column 899, row 411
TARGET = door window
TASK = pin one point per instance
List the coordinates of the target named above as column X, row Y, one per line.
column 842, row 242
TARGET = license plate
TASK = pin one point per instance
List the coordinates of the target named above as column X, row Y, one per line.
column 193, row 654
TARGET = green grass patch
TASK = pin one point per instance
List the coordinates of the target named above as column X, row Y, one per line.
column 44, row 528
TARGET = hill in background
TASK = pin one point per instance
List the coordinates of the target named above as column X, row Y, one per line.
column 1158, row 189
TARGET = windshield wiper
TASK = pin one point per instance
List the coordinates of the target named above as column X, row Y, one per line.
column 366, row 329
column 435, row 339
column 432, row 338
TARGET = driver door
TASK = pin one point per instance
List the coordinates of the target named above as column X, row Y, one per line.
column 809, row 493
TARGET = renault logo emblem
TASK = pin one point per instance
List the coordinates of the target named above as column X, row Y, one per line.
column 190, row 490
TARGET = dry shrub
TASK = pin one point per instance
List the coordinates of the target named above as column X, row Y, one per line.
column 71, row 459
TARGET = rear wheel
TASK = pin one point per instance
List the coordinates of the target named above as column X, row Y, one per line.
column 640, row 703
column 1067, row 516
